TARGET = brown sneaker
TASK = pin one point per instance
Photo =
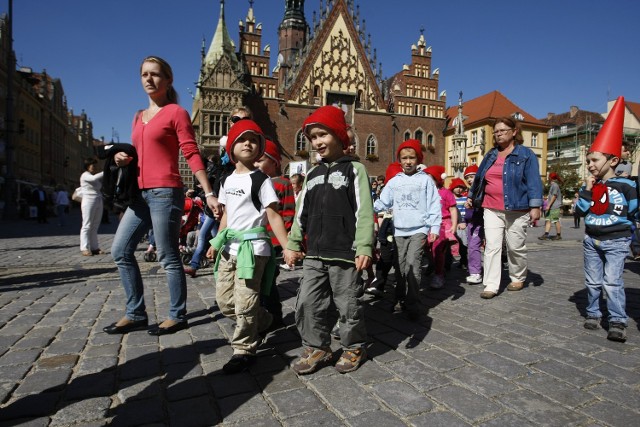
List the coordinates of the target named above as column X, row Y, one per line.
column 350, row 360
column 515, row 286
column 487, row 294
column 311, row 359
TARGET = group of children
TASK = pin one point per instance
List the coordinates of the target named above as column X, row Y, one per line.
column 332, row 228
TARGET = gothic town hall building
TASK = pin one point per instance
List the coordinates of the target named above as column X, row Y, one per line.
column 330, row 62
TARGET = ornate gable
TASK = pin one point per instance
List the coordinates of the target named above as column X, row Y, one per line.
column 334, row 67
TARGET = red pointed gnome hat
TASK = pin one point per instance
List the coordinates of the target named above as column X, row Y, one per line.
column 609, row 139
column 392, row 170
column 333, row 119
column 415, row 145
column 272, row 151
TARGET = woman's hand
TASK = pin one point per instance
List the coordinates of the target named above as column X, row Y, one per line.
column 534, row 214
column 122, row 159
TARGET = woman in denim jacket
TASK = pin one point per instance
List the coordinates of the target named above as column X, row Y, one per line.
column 509, row 188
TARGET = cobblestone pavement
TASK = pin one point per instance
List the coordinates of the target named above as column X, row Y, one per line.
column 522, row 358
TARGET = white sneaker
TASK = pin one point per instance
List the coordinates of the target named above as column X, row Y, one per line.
column 286, row 267
column 474, row 279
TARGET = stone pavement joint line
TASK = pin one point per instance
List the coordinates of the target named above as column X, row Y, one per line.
column 522, row 358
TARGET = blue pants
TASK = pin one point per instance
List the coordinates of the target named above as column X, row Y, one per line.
column 208, row 229
column 603, row 268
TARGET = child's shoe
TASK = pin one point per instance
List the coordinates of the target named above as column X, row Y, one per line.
column 474, row 279
column 238, row 363
column 350, row 360
column 617, row 332
column 311, row 359
column 437, row 282
column 592, row 323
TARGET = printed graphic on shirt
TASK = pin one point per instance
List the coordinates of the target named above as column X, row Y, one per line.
column 600, row 199
column 336, row 179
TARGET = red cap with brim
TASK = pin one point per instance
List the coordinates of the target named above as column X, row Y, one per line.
column 609, row 139
column 457, row 182
column 272, row 151
column 331, row 118
column 392, row 170
column 413, row 144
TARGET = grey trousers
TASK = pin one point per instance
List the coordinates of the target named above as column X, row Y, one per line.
column 325, row 287
column 409, row 253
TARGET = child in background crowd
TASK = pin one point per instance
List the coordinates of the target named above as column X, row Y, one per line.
column 414, row 199
column 459, row 189
column 448, row 227
column 473, row 217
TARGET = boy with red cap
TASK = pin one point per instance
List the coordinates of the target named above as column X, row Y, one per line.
column 334, row 212
column 552, row 212
column 475, row 233
column 459, row 189
column 610, row 204
column 449, row 214
column 269, row 163
column 245, row 260
column 413, row 197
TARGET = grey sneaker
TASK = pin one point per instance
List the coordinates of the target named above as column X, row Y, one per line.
column 617, row 332
column 311, row 359
column 592, row 323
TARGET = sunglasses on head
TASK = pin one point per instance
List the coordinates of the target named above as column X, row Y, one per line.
column 236, row 119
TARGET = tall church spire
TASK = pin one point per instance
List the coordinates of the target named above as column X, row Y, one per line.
column 221, row 44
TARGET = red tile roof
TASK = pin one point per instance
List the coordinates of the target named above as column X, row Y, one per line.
column 492, row 105
column 634, row 107
column 580, row 118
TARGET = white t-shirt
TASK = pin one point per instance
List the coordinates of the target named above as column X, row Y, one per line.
column 241, row 213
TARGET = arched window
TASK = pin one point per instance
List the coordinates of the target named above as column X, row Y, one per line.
column 420, row 136
column 301, row 141
column 372, row 145
column 407, row 135
column 430, row 140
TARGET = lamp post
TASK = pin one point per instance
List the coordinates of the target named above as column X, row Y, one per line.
column 10, row 208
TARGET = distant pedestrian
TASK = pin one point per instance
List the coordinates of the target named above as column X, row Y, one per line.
column 509, row 189
column 552, row 212
column 91, row 207
column 39, row 200
column 610, row 204
column 575, row 212
column 62, row 205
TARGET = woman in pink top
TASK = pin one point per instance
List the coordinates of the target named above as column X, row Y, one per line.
column 510, row 177
column 159, row 133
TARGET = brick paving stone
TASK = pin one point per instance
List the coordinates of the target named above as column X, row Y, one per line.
column 569, row 357
column 481, row 381
column 243, row 407
column 14, row 357
column 30, row 406
column 229, row 385
column 279, row 381
column 438, row 360
column 139, row 389
column 438, row 419
column 55, row 362
column 321, row 418
column 541, row 411
column 139, row 412
column 182, row 370
column 612, row 373
column 186, row 388
column 91, row 385
column 91, row 351
column 508, row 419
column 402, row 398
column 469, row 405
column 619, row 359
column 43, row 381
column 96, row 364
column 375, row 418
column 344, row 395
column 554, row 389
column 6, row 341
column 620, row 394
column 416, row 374
column 65, row 346
column 82, row 411
column 612, row 415
column 194, row 412
column 500, row 366
column 568, row 373
column 295, row 402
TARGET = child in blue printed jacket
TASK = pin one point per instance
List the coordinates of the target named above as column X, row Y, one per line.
column 610, row 205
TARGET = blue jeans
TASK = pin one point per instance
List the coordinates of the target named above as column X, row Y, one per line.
column 209, row 228
column 603, row 268
column 160, row 209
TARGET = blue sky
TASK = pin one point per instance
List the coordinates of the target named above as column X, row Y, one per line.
column 544, row 55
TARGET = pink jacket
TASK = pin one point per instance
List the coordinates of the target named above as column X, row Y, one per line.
column 157, row 143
